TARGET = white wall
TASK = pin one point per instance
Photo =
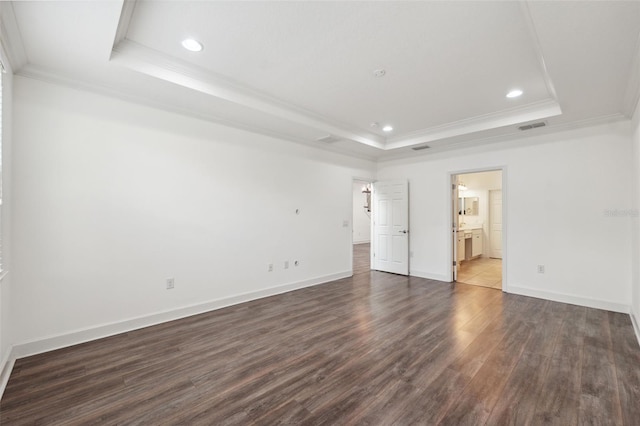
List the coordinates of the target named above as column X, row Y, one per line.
column 6, row 325
column 559, row 190
column 111, row 198
column 635, row 259
column 361, row 218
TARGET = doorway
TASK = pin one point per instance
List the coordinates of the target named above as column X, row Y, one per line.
column 361, row 226
column 478, row 236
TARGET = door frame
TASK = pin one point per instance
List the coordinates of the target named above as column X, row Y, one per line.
column 353, row 180
column 451, row 240
column 490, row 222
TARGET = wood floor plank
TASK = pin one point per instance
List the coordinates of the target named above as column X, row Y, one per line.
column 560, row 399
column 599, row 383
column 626, row 355
column 490, row 379
column 373, row 349
column 517, row 401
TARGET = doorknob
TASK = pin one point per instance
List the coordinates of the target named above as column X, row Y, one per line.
column 404, row 231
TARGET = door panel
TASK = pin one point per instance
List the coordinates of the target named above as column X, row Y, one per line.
column 391, row 226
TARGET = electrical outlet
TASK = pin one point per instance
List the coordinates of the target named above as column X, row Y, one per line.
column 270, row 267
column 541, row 269
column 286, row 264
column 170, row 283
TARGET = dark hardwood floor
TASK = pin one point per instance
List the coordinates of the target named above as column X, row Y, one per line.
column 361, row 258
column 374, row 349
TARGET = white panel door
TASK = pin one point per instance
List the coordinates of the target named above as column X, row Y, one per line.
column 495, row 223
column 391, row 226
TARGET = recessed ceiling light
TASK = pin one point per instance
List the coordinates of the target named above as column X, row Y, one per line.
column 514, row 93
column 192, row 45
column 379, row 73
column 387, row 128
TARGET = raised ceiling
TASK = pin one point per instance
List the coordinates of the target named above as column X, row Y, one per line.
column 305, row 70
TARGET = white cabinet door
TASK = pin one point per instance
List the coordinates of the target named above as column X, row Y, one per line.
column 461, row 246
column 476, row 245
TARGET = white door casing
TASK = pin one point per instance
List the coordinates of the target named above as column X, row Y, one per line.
column 455, row 220
column 391, row 226
column 495, row 223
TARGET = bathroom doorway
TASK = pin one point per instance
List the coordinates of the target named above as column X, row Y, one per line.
column 478, row 236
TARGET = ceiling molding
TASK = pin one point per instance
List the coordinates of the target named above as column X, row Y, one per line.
column 128, row 7
column 11, row 38
column 632, row 94
column 514, row 136
column 49, row 76
column 536, row 111
column 535, row 41
column 147, row 61
column 150, row 62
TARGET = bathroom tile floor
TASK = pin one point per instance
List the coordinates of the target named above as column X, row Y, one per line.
column 482, row 271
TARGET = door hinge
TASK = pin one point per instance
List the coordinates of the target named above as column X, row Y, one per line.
column 453, row 186
column 455, row 263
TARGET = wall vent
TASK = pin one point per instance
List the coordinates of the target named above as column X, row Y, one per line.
column 533, row 125
column 420, row 148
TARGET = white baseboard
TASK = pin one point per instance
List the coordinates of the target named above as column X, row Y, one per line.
column 635, row 320
column 361, row 241
column 6, row 366
column 571, row 299
column 430, row 276
column 80, row 336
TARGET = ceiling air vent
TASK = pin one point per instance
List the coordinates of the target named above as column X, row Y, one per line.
column 533, row 125
column 329, row 139
column 420, row 148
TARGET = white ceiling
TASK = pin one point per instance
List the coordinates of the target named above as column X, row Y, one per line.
column 304, row 70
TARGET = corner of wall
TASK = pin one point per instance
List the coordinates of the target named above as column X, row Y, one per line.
column 6, row 366
column 635, row 230
column 635, row 320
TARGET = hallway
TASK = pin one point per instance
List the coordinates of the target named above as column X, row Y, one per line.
column 361, row 258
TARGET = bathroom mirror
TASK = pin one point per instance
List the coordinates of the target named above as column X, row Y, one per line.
column 468, row 206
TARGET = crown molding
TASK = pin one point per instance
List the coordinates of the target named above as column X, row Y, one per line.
column 496, row 140
column 147, row 61
column 38, row 73
column 150, row 62
column 535, row 111
column 128, row 7
column 632, row 94
column 10, row 38
column 535, row 42
column 50, row 76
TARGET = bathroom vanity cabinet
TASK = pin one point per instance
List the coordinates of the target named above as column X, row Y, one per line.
column 470, row 243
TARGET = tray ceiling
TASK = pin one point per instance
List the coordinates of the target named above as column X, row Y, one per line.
column 306, row 70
